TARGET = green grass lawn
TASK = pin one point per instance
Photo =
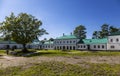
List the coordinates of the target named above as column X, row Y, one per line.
column 62, row 69
column 65, row 53
column 2, row 52
column 74, row 53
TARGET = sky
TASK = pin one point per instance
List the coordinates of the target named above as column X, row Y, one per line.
column 62, row 16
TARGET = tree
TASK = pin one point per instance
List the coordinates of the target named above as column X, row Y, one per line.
column 42, row 41
column 80, row 32
column 51, row 39
column 23, row 28
column 104, row 31
column 113, row 29
column 45, row 39
column 96, row 34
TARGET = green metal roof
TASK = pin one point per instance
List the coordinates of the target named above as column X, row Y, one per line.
column 67, row 37
column 95, row 41
column 48, row 42
column 36, row 41
column 7, row 42
column 115, row 33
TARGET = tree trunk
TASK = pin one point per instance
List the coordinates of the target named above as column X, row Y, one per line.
column 24, row 48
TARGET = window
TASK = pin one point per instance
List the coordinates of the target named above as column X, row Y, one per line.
column 98, row 46
column 63, row 41
column 73, row 41
column 60, row 47
column 57, row 48
column 81, row 46
column 67, row 41
column 111, row 40
column 103, row 46
column 94, row 46
column 112, row 46
column 117, row 40
column 84, row 46
column 70, row 41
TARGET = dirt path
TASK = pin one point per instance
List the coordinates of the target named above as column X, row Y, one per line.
column 6, row 61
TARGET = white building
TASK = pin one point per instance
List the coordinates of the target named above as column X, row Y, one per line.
column 11, row 44
column 71, row 42
column 92, row 44
column 48, row 45
column 114, row 41
column 66, row 42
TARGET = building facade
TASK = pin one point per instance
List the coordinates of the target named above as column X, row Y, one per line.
column 71, row 42
column 66, row 42
column 114, row 41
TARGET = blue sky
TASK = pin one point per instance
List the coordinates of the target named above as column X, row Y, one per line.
column 62, row 16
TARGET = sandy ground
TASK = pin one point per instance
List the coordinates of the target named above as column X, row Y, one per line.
column 6, row 61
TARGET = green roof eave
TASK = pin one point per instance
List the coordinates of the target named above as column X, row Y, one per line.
column 67, row 37
column 115, row 33
column 48, row 42
column 95, row 41
column 7, row 42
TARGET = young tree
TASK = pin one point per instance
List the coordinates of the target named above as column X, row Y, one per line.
column 96, row 34
column 23, row 28
column 113, row 29
column 80, row 32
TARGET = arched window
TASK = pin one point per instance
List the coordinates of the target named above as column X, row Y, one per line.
column 74, row 41
column 98, row 46
column 67, row 48
column 73, row 47
column 103, row 46
column 81, row 46
column 111, row 40
column 117, row 40
column 84, row 46
column 112, row 46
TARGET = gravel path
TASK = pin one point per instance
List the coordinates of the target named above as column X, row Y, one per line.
column 6, row 61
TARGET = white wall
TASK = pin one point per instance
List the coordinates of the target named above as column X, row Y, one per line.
column 82, row 47
column 114, row 45
column 114, row 39
column 3, row 46
column 66, row 43
column 48, row 46
column 92, row 47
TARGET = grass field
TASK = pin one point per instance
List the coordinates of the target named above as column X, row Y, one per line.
column 63, row 68
column 74, row 53
column 67, row 53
